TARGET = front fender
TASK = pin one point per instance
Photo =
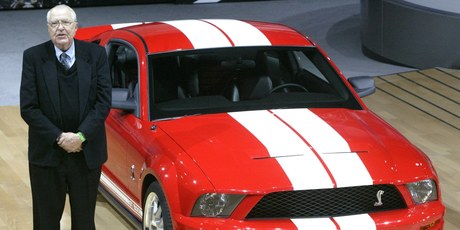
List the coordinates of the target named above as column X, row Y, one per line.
column 180, row 177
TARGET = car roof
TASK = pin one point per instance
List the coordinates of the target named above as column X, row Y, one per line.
column 167, row 36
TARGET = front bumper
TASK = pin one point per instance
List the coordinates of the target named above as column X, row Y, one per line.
column 422, row 217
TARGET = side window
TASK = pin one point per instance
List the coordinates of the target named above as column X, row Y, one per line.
column 306, row 64
column 124, row 72
column 124, row 68
column 310, row 73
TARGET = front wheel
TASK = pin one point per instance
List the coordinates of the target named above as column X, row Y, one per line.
column 156, row 210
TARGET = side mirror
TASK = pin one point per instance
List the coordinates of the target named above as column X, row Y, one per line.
column 363, row 85
column 120, row 100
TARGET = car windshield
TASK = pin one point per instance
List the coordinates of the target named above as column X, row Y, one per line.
column 220, row 80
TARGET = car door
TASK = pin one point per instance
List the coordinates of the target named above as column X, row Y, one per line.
column 121, row 125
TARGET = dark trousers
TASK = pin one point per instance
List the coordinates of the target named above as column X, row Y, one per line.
column 51, row 184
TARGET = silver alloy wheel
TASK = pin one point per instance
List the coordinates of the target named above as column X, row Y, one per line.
column 153, row 218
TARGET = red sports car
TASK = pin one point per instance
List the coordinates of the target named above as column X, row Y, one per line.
column 230, row 124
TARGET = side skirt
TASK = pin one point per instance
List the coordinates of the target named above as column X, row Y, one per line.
column 137, row 224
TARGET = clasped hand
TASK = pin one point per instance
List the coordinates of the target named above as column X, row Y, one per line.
column 70, row 142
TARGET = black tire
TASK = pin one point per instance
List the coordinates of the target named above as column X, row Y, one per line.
column 156, row 210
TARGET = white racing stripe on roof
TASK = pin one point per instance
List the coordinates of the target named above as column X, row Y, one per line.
column 299, row 163
column 201, row 34
column 241, row 33
column 346, row 167
column 206, row 1
column 123, row 25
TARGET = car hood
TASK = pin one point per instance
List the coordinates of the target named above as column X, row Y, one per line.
column 269, row 150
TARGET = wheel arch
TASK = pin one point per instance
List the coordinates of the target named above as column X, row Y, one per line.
column 180, row 179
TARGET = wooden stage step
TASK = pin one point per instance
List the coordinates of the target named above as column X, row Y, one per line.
column 424, row 106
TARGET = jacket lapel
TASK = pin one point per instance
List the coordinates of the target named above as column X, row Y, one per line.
column 84, row 76
column 50, row 75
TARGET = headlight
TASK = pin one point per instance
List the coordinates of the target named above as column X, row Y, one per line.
column 423, row 191
column 216, row 204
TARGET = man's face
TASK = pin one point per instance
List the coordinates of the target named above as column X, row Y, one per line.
column 61, row 28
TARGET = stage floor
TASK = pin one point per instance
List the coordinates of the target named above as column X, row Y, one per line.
column 422, row 105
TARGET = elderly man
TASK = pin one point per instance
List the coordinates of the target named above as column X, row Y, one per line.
column 65, row 99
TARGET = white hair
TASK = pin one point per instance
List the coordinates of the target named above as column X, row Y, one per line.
column 62, row 7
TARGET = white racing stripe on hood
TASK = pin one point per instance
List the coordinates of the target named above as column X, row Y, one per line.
column 346, row 167
column 299, row 163
column 241, row 33
column 201, row 34
column 280, row 140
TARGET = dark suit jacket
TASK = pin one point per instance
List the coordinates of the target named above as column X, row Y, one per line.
column 40, row 103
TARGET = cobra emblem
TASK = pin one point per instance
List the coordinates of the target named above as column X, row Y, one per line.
column 379, row 198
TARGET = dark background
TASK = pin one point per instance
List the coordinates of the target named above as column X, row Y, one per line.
column 29, row 4
column 334, row 24
column 34, row 4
